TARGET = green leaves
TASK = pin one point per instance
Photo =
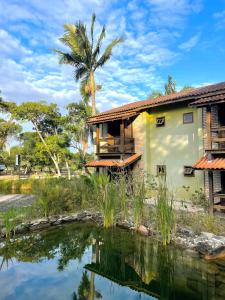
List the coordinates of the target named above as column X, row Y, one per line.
column 83, row 54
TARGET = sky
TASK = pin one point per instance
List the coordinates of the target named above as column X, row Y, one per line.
column 183, row 38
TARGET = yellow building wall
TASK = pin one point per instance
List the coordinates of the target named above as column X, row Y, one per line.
column 176, row 145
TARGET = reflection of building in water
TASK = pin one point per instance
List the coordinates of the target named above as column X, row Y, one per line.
column 164, row 273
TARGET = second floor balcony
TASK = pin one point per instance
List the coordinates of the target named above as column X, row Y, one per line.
column 115, row 145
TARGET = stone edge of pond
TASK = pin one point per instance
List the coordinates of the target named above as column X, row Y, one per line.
column 207, row 244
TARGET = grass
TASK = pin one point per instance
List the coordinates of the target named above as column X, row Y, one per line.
column 122, row 197
column 165, row 213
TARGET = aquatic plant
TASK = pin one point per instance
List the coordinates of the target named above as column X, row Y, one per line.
column 9, row 221
column 106, row 198
column 138, row 198
column 165, row 213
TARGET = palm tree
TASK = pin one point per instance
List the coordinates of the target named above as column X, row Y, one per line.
column 84, row 54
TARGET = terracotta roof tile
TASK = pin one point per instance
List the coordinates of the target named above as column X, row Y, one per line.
column 191, row 94
column 114, row 162
column 205, row 164
column 209, row 100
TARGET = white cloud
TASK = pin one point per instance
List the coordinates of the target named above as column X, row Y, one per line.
column 191, row 43
column 29, row 70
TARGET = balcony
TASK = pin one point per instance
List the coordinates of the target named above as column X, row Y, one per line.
column 216, row 140
column 115, row 146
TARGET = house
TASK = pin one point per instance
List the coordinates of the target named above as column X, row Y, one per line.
column 180, row 135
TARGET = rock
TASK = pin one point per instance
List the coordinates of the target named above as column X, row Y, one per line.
column 185, row 232
column 142, row 230
column 207, row 235
column 40, row 224
column 3, row 232
column 192, row 253
column 22, row 228
column 203, row 247
column 218, row 253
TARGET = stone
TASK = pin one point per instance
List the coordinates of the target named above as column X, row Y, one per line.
column 218, row 253
column 207, row 235
column 142, row 230
column 40, row 224
column 22, row 228
column 203, row 247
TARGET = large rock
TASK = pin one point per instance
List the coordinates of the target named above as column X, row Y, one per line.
column 143, row 230
column 218, row 253
column 40, row 224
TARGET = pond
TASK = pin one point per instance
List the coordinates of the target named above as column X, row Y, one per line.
column 82, row 261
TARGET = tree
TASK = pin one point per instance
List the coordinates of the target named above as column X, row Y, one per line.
column 46, row 120
column 155, row 94
column 7, row 129
column 170, row 86
column 76, row 127
column 84, row 54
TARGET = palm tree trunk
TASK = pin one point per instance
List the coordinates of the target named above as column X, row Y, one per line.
column 92, row 86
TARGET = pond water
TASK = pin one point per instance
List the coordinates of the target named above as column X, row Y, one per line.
column 81, row 261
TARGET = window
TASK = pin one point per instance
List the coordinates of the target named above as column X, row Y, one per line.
column 188, row 118
column 160, row 122
column 103, row 130
column 161, row 170
column 189, row 171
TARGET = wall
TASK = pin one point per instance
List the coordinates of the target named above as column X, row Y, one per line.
column 139, row 134
column 174, row 145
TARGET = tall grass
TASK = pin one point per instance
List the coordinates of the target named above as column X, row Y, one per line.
column 165, row 213
column 106, row 198
column 9, row 221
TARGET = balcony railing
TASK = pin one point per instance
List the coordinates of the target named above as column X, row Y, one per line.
column 115, row 145
column 218, row 137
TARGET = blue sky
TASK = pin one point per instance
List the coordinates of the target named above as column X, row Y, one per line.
column 184, row 38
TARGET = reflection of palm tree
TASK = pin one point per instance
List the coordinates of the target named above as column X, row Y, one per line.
column 85, row 290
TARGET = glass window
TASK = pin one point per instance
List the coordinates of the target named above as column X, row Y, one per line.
column 188, row 171
column 160, row 122
column 188, row 118
column 103, row 130
column 161, row 170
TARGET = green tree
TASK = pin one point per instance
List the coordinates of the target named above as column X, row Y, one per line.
column 47, row 121
column 84, row 54
column 155, row 94
column 170, row 86
column 76, row 127
column 7, row 129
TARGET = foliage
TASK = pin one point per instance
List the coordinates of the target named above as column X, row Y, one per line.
column 106, row 198
column 170, row 86
column 165, row 214
column 199, row 198
column 84, row 54
column 9, row 221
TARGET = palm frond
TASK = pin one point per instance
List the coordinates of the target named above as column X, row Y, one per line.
column 98, row 45
column 80, row 72
column 108, row 52
column 92, row 29
column 73, row 59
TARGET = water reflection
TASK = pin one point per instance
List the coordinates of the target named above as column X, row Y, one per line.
column 98, row 259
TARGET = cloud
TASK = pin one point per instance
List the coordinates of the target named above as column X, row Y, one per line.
column 220, row 19
column 29, row 70
column 191, row 43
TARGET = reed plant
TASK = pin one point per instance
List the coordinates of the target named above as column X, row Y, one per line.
column 165, row 213
column 9, row 219
column 137, row 193
column 106, row 198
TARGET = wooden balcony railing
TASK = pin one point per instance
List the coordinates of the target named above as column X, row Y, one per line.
column 218, row 136
column 115, row 145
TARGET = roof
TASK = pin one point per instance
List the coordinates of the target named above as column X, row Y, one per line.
column 114, row 162
column 208, row 100
column 125, row 111
column 205, row 164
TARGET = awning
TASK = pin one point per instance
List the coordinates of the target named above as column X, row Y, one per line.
column 112, row 117
column 117, row 163
column 214, row 164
